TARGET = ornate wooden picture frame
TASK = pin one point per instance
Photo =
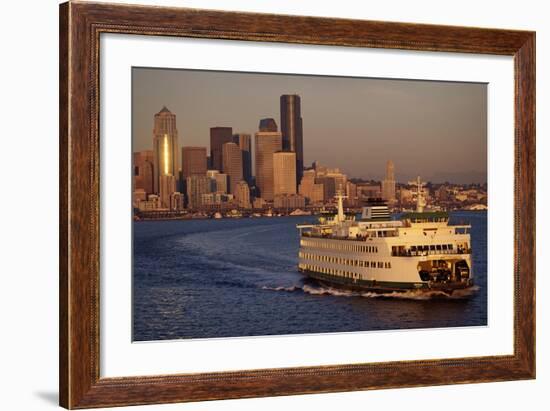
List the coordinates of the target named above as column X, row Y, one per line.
column 80, row 27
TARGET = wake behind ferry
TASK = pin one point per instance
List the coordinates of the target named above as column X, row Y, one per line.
column 419, row 251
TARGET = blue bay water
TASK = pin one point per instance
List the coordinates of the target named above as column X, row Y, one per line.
column 239, row 277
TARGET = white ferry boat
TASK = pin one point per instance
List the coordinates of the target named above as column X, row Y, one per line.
column 419, row 251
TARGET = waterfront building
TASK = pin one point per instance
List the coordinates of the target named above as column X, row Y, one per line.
column 259, row 203
column 144, row 171
column 244, row 143
column 284, row 172
column 176, row 201
column 165, row 146
column 291, row 130
column 232, row 165
column 217, row 201
column 218, row 137
column 267, row 142
column 289, row 201
column 242, row 194
column 138, row 196
column 388, row 184
column 152, row 203
column 193, row 161
column 196, row 187
column 312, row 191
column 167, row 187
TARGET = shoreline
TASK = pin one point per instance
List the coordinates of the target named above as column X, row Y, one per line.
column 188, row 217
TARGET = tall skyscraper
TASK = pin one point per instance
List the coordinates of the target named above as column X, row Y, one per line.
column 291, row 130
column 284, row 173
column 218, row 137
column 144, row 171
column 244, row 143
column 167, row 187
column 193, row 161
column 165, row 146
column 388, row 185
column 266, row 144
column 232, row 164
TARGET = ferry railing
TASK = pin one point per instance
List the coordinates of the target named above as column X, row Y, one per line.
column 356, row 238
column 409, row 253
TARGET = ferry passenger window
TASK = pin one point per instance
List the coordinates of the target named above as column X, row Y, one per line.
column 432, row 248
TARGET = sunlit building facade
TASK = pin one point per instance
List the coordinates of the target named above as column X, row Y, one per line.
column 144, row 171
column 312, row 191
column 232, row 165
column 242, row 195
column 218, row 181
column 165, row 147
column 284, row 173
column 265, row 145
column 388, row 184
column 193, row 161
column 167, row 187
column 196, row 186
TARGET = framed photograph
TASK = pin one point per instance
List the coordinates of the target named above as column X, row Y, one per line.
column 259, row 205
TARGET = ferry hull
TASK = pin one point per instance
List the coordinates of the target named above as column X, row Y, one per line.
column 383, row 287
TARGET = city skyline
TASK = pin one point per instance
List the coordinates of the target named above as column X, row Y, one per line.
column 443, row 152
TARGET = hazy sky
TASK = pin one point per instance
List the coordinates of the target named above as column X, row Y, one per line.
column 437, row 130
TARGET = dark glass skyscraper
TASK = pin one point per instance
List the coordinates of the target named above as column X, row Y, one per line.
column 218, row 137
column 291, row 129
column 243, row 141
